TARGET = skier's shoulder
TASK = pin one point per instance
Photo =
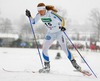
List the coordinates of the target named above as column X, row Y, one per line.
column 50, row 12
column 37, row 15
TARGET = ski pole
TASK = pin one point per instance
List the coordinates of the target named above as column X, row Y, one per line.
column 80, row 54
column 36, row 41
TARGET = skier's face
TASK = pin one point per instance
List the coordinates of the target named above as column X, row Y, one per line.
column 42, row 12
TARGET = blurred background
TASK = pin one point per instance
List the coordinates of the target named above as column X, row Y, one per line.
column 82, row 19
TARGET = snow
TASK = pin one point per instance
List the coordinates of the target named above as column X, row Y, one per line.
column 27, row 59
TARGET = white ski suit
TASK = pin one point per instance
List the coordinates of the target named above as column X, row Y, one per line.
column 52, row 21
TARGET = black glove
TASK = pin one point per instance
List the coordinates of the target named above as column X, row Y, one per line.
column 62, row 28
column 28, row 13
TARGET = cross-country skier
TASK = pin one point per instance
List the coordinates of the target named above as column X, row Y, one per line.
column 55, row 25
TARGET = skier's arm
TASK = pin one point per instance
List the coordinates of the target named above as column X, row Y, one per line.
column 35, row 19
column 61, row 19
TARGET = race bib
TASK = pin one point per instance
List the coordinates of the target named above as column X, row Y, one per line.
column 46, row 20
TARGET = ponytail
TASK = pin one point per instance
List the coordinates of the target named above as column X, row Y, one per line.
column 50, row 7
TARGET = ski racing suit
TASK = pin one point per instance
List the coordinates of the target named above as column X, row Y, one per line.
column 52, row 21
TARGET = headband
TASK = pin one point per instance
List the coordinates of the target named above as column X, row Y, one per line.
column 41, row 8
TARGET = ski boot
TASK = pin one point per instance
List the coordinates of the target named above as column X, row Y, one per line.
column 45, row 69
column 76, row 66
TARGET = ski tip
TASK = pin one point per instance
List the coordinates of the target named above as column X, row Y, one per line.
column 86, row 73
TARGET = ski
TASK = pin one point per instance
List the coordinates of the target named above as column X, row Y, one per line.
column 26, row 71
column 14, row 71
column 84, row 72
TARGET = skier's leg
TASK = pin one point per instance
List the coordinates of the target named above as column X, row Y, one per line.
column 47, row 43
column 62, row 42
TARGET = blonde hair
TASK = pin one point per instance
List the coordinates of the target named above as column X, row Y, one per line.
column 48, row 7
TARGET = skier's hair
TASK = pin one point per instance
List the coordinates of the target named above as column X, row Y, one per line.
column 48, row 7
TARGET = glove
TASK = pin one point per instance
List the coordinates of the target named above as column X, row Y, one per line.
column 62, row 28
column 28, row 13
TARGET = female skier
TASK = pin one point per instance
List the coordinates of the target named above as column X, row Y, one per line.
column 55, row 25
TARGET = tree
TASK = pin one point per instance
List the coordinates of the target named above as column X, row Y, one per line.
column 24, row 28
column 95, row 19
column 26, row 31
column 1, row 22
column 7, row 26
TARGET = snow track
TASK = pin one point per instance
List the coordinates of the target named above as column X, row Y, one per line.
column 23, row 59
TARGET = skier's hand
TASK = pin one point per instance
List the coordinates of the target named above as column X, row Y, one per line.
column 28, row 13
column 62, row 28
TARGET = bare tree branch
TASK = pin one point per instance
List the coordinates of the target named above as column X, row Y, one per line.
column 95, row 19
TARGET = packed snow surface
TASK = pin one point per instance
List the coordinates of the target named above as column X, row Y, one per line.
column 25, row 60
